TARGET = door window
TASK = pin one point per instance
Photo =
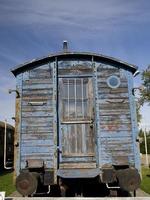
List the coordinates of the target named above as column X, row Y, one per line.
column 76, row 95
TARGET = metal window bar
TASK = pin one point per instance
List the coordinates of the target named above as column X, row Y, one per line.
column 68, row 100
column 82, row 98
column 75, row 90
column 90, row 100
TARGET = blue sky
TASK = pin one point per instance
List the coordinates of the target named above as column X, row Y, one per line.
column 36, row 28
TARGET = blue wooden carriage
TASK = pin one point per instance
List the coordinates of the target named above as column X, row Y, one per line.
column 75, row 119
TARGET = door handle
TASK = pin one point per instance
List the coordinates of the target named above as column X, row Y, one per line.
column 58, row 150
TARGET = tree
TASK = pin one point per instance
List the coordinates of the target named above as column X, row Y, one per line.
column 142, row 143
column 145, row 92
column 139, row 116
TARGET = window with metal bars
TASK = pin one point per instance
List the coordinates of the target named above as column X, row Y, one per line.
column 76, row 95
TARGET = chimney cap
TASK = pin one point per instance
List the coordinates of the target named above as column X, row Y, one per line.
column 65, row 45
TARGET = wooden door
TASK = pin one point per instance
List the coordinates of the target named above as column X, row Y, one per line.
column 76, row 120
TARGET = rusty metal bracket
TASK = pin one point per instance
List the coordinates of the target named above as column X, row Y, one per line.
column 17, row 92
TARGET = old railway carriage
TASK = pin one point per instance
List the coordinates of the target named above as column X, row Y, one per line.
column 75, row 121
column 6, row 146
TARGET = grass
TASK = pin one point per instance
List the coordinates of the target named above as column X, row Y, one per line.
column 6, row 182
column 145, row 185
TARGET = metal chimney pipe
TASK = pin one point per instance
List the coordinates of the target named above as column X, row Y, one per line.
column 65, row 46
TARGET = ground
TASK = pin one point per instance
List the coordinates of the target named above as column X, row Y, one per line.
column 6, row 182
column 145, row 185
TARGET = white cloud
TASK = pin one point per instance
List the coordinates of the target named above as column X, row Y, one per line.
column 89, row 14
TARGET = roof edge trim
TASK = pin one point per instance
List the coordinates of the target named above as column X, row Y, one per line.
column 35, row 62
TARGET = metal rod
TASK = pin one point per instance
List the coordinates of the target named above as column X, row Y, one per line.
column 75, row 90
column 68, row 100
column 82, row 99
column 38, row 103
column 5, row 146
column 112, row 187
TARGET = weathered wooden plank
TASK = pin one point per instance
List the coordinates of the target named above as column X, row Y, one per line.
column 36, row 120
column 33, row 94
column 103, row 78
column 114, row 112
column 114, row 134
column 37, row 129
column 44, row 142
column 117, row 123
column 105, row 85
column 41, row 80
column 48, row 164
column 37, row 98
column 114, row 127
column 39, row 73
column 36, row 90
column 40, row 70
column 43, row 108
column 38, row 155
column 115, row 145
column 37, row 114
column 107, row 90
column 102, row 95
column 27, row 94
column 103, row 67
column 114, row 101
column 36, row 150
column 120, row 142
column 115, row 107
column 46, row 158
column 124, row 118
column 36, row 136
column 79, row 159
column 77, row 165
column 48, row 102
column 38, row 86
column 44, row 128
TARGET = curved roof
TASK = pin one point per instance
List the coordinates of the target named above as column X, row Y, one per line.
column 81, row 55
column 2, row 125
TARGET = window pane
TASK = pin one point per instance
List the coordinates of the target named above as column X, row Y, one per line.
column 76, row 100
column 71, row 109
column 65, row 109
column 65, row 90
column 71, row 89
column 79, row 109
column 79, row 89
column 85, row 109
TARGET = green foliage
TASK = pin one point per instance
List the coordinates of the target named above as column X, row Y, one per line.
column 142, row 144
column 145, row 92
column 145, row 184
column 6, row 182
